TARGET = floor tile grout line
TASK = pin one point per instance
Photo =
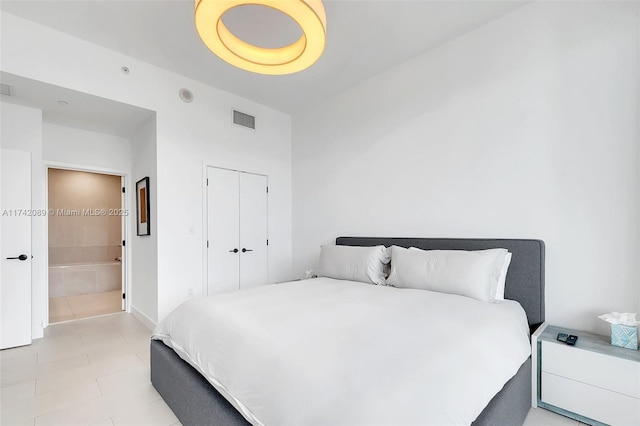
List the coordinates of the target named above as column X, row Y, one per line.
column 140, row 358
column 58, row 389
column 99, row 388
column 106, row 418
column 158, row 397
column 65, row 408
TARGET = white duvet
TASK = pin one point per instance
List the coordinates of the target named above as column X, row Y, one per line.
column 331, row 352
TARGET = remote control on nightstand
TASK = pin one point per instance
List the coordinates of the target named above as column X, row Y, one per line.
column 571, row 340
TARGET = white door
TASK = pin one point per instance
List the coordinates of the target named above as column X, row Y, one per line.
column 15, row 248
column 236, row 231
column 223, row 263
column 253, row 230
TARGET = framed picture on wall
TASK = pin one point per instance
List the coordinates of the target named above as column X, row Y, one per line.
column 142, row 207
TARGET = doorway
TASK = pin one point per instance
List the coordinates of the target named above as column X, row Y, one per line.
column 86, row 228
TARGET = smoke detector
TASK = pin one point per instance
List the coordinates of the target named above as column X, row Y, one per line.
column 186, row 95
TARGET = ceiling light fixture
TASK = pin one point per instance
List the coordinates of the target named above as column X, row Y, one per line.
column 301, row 54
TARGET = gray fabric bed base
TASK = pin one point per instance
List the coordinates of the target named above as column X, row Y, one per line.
column 196, row 403
column 191, row 397
column 511, row 405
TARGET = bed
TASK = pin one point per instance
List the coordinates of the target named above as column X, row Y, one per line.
column 196, row 402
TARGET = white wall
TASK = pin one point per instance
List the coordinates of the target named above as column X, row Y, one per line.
column 524, row 128
column 21, row 129
column 188, row 136
column 144, row 249
column 69, row 145
column 206, row 137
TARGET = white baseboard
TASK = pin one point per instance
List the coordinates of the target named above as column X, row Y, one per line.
column 148, row 322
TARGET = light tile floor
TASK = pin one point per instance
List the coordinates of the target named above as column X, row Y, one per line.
column 95, row 371
column 84, row 306
column 542, row 417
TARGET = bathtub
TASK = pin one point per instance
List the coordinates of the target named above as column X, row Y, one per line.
column 84, row 278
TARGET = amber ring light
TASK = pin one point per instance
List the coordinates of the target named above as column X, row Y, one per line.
column 301, row 54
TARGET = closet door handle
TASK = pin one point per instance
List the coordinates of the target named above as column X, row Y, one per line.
column 21, row 257
column 235, row 250
column 244, row 250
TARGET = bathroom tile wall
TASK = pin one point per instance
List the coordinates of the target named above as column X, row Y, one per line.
column 84, row 279
column 79, row 229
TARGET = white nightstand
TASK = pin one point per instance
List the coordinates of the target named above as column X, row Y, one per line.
column 592, row 382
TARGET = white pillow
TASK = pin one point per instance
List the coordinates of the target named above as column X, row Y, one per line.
column 474, row 274
column 503, row 277
column 499, row 290
column 363, row 264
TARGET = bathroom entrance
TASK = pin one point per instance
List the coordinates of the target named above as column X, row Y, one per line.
column 86, row 218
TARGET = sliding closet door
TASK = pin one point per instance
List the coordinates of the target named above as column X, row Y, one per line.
column 223, row 202
column 253, row 230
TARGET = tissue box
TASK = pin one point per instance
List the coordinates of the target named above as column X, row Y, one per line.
column 624, row 336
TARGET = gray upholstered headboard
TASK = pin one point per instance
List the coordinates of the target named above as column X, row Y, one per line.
column 525, row 278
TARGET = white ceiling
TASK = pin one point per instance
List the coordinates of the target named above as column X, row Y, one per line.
column 364, row 38
column 81, row 110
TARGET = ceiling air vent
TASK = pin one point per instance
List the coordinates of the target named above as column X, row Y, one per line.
column 244, row 120
column 5, row 89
